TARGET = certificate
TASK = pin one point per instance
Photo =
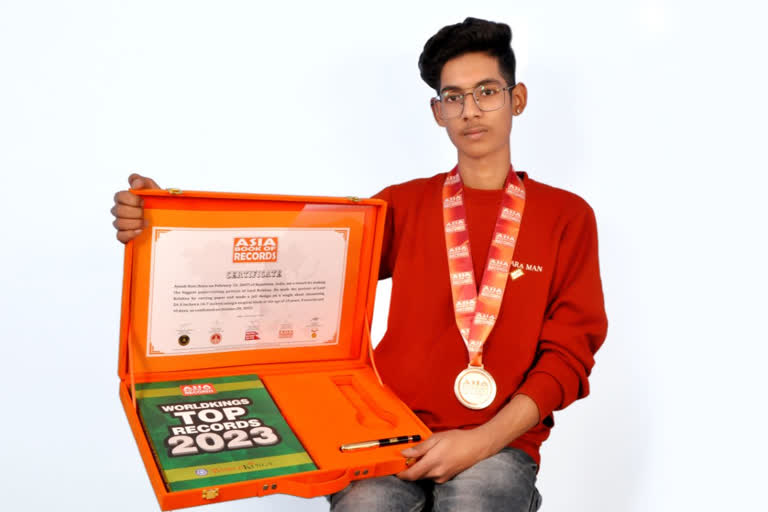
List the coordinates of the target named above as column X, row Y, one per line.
column 225, row 289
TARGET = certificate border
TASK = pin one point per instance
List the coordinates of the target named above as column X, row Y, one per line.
column 158, row 230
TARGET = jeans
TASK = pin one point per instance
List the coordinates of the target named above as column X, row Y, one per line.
column 504, row 482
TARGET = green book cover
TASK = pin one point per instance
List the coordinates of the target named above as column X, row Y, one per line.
column 207, row 432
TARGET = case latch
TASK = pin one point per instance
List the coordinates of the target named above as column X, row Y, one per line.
column 175, row 191
column 210, row 494
column 353, row 199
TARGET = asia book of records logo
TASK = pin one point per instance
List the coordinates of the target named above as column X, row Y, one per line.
column 465, row 306
column 504, row 239
column 473, row 384
column 460, row 251
column 453, row 201
column 459, row 278
column 510, row 214
column 492, row 292
column 516, row 191
column 474, row 345
column 495, row 265
column 485, row 319
column 455, row 226
column 452, row 179
column 197, row 389
column 255, row 249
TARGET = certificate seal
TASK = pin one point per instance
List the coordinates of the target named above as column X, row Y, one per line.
column 475, row 388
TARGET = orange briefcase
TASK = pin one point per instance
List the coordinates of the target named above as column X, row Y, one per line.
column 320, row 373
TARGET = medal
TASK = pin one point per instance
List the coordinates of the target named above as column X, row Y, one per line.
column 475, row 388
column 476, row 309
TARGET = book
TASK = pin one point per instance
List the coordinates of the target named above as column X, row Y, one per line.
column 213, row 431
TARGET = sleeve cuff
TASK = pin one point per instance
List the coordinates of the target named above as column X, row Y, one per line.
column 543, row 389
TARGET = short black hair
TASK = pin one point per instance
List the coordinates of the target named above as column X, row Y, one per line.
column 471, row 35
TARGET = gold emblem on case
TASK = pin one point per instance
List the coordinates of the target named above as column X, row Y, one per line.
column 209, row 494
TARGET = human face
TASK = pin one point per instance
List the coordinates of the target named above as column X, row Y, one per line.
column 476, row 133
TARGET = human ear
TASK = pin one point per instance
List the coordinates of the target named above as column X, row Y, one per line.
column 519, row 96
column 433, row 106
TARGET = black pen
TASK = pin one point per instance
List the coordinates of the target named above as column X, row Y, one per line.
column 379, row 443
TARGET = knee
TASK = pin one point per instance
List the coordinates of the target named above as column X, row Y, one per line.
column 382, row 494
column 507, row 480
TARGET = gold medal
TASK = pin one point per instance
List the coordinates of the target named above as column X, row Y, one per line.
column 475, row 388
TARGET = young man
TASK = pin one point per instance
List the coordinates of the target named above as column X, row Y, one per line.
column 496, row 308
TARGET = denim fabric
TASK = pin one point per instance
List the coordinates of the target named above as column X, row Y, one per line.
column 504, row 482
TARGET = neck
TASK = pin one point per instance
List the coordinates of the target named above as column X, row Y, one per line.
column 487, row 173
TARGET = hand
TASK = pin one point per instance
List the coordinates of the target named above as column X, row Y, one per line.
column 129, row 208
column 446, row 454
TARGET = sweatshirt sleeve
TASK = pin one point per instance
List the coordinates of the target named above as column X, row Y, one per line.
column 575, row 324
column 387, row 253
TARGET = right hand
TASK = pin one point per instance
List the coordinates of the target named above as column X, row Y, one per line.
column 129, row 208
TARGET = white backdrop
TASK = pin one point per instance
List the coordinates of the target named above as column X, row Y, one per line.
column 653, row 111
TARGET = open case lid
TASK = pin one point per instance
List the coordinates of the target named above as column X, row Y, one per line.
column 222, row 280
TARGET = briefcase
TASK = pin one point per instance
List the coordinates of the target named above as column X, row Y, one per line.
column 226, row 294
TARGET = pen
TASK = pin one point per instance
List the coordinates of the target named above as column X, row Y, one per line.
column 379, row 442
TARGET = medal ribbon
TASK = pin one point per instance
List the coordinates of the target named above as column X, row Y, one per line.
column 476, row 313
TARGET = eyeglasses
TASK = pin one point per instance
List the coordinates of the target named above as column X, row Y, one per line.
column 450, row 104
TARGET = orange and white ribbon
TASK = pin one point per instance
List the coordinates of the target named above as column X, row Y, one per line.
column 476, row 309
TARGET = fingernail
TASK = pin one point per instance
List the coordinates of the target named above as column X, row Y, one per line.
column 137, row 231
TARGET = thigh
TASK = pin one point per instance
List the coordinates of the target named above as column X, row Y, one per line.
column 504, row 482
column 382, row 494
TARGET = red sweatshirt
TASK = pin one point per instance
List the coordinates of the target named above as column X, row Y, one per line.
column 552, row 318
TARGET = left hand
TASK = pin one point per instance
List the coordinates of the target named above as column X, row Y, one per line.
column 446, row 454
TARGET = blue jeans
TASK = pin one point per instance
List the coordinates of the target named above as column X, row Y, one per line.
column 506, row 481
